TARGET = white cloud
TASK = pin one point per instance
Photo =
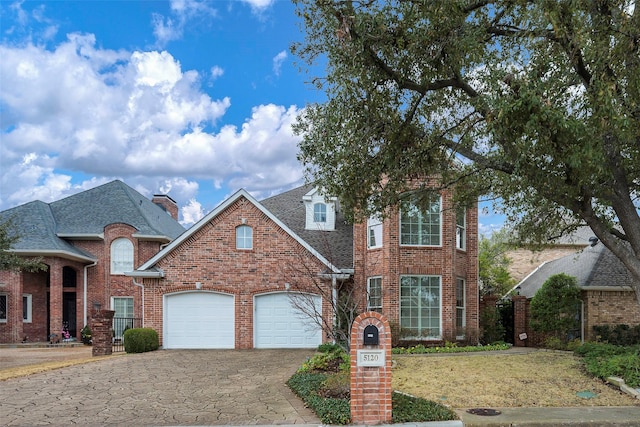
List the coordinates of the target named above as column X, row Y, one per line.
column 111, row 114
column 216, row 72
column 183, row 13
column 192, row 212
column 259, row 5
column 277, row 62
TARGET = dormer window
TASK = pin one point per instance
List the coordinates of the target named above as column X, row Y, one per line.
column 319, row 212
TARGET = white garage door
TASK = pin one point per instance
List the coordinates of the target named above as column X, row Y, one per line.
column 199, row 320
column 278, row 325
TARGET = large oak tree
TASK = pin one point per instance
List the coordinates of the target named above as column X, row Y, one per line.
column 533, row 103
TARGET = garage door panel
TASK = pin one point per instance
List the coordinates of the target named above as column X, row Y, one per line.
column 199, row 320
column 277, row 324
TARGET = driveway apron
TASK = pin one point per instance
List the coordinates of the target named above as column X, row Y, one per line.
column 164, row 387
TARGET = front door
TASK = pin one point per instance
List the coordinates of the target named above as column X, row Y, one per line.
column 69, row 312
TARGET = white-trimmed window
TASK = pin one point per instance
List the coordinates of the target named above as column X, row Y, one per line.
column 244, row 237
column 420, row 227
column 420, row 306
column 123, row 307
column 319, row 212
column 26, row 308
column 121, row 256
column 4, row 308
column 374, row 232
column 461, row 228
column 461, row 307
column 374, row 292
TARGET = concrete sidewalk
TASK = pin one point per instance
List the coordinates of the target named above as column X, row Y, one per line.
column 578, row 416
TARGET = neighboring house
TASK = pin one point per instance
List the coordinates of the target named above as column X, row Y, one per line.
column 87, row 241
column 227, row 281
column 607, row 296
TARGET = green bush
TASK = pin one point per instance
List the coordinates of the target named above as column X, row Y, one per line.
column 605, row 360
column 554, row 308
column 421, row 349
column 140, row 340
column 491, row 328
column 618, row 334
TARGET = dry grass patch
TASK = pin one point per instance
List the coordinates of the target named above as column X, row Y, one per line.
column 538, row 379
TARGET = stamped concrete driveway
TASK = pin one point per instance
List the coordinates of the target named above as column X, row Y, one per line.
column 164, row 387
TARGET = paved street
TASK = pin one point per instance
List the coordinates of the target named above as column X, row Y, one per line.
column 165, row 387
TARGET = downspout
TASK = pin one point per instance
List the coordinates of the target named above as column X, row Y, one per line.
column 84, row 292
column 141, row 285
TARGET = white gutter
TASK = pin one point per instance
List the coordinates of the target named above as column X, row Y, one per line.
column 141, row 285
column 84, row 292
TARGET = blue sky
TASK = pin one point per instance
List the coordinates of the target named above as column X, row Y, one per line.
column 190, row 98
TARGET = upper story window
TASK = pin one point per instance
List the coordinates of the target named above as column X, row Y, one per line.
column 244, row 237
column 319, row 212
column 461, row 228
column 374, row 232
column 421, row 227
column 121, row 256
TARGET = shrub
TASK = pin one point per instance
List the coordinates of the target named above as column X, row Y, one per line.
column 407, row 409
column 618, row 334
column 554, row 307
column 421, row 349
column 605, row 360
column 491, row 328
column 140, row 340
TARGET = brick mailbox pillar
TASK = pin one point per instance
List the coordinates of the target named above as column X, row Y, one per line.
column 519, row 320
column 101, row 335
column 370, row 369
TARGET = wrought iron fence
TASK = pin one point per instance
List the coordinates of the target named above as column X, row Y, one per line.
column 121, row 324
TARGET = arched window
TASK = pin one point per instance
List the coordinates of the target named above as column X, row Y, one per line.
column 244, row 237
column 121, row 256
column 319, row 212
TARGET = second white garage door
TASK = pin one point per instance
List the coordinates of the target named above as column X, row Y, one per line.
column 199, row 320
column 277, row 324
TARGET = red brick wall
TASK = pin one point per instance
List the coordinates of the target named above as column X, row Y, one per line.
column 609, row 308
column 392, row 260
column 210, row 257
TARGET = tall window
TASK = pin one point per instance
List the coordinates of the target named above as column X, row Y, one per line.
column 374, row 291
column 3, row 308
column 244, row 237
column 123, row 307
column 461, row 228
column 26, row 308
column 420, row 305
column 374, row 232
column 461, row 308
column 319, row 212
column 420, row 227
column 121, row 256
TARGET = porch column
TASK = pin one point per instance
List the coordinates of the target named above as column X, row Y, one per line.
column 55, row 297
column 13, row 288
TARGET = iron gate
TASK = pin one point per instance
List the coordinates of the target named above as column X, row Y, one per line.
column 121, row 324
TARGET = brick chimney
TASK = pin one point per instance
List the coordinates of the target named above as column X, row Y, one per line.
column 166, row 203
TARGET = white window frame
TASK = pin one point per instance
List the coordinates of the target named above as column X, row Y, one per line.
column 5, row 314
column 121, row 256
column 320, row 212
column 413, row 232
column 244, row 237
column 461, row 284
column 118, row 334
column 461, row 229
column 408, row 311
column 375, row 280
column 374, row 233
column 27, row 316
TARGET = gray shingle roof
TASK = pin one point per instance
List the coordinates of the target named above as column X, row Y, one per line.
column 336, row 246
column 40, row 225
column 594, row 266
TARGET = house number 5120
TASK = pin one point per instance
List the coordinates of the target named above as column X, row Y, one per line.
column 371, row 358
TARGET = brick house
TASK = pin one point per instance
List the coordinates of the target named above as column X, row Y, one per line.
column 226, row 282
column 605, row 284
column 87, row 242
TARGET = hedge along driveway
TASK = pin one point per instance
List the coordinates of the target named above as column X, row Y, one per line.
column 164, row 387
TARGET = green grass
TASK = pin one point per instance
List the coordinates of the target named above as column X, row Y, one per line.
column 606, row 360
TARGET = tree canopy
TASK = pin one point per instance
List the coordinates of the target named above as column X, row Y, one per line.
column 10, row 260
column 493, row 264
column 532, row 103
column 555, row 307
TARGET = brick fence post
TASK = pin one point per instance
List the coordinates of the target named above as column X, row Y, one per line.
column 101, row 332
column 371, row 369
column 519, row 320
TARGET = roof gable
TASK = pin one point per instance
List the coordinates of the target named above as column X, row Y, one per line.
column 148, row 266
